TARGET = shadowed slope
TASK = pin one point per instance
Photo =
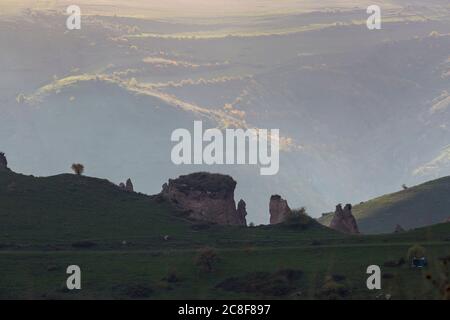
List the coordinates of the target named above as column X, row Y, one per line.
column 419, row 206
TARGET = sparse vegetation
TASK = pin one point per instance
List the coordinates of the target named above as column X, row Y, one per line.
column 78, row 168
column 416, row 251
column 333, row 289
column 299, row 218
column 207, row 259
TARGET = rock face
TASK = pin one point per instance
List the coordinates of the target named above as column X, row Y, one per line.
column 3, row 161
column 343, row 220
column 279, row 209
column 129, row 186
column 242, row 212
column 399, row 229
column 206, row 197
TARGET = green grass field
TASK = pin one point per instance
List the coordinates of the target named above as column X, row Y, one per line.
column 118, row 240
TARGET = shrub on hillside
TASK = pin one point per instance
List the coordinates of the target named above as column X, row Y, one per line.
column 298, row 218
column 333, row 290
column 78, row 168
column 416, row 251
column 207, row 259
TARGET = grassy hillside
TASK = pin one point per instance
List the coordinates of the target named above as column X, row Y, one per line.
column 419, row 206
column 66, row 208
column 61, row 210
column 117, row 238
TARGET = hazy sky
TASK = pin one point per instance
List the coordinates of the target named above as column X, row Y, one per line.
column 354, row 104
column 190, row 8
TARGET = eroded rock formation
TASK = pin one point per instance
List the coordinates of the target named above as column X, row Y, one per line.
column 343, row 220
column 3, row 161
column 129, row 186
column 242, row 212
column 279, row 209
column 206, row 197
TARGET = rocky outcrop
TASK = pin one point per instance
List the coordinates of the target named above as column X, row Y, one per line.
column 206, row 197
column 129, row 186
column 3, row 161
column 343, row 220
column 279, row 209
column 242, row 212
column 399, row 229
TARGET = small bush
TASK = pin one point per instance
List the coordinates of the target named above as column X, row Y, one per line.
column 78, row 168
column 333, row 290
column 415, row 251
column 207, row 259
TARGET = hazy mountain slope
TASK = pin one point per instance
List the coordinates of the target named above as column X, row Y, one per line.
column 418, row 206
column 356, row 103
